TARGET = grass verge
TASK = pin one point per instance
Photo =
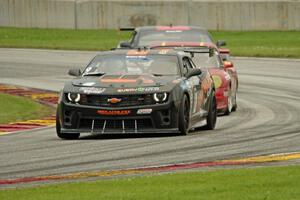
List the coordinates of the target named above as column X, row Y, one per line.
column 248, row 43
column 61, row 38
column 255, row 183
column 14, row 109
column 285, row 44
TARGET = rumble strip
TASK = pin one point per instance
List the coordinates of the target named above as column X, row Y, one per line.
column 41, row 96
column 165, row 168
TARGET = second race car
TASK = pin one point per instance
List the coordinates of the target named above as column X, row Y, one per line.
column 160, row 35
column 223, row 73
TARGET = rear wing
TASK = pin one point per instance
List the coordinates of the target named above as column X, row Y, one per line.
column 127, row 29
column 193, row 51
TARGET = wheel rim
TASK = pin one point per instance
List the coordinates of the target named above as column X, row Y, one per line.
column 229, row 104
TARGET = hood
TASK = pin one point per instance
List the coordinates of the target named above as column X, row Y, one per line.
column 124, row 81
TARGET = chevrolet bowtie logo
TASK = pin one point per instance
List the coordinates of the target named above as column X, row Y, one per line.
column 114, row 100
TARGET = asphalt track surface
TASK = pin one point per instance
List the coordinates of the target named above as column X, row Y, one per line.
column 266, row 122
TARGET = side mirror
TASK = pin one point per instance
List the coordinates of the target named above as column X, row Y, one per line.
column 125, row 44
column 220, row 43
column 74, row 72
column 193, row 72
column 228, row 64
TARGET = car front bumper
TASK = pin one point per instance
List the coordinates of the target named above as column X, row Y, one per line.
column 75, row 118
column 222, row 99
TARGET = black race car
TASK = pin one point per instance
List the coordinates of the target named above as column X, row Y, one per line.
column 137, row 91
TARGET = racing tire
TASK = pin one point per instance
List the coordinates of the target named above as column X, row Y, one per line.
column 211, row 118
column 67, row 136
column 184, row 116
column 235, row 104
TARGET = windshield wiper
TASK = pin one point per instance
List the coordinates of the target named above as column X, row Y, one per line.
column 164, row 74
column 94, row 74
column 158, row 74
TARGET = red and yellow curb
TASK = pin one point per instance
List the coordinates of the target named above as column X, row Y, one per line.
column 184, row 166
column 41, row 96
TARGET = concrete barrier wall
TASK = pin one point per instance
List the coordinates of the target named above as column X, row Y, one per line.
column 37, row 13
column 114, row 14
column 269, row 15
column 109, row 14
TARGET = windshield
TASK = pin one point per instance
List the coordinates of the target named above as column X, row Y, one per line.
column 122, row 64
column 203, row 60
column 150, row 37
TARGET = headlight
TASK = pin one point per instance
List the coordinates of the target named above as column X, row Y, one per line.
column 160, row 97
column 74, row 97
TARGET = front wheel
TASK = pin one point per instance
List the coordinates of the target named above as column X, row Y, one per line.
column 211, row 118
column 67, row 136
column 184, row 115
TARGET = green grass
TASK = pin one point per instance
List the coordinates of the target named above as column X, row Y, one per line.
column 249, row 43
column 14, row 108
column 272, row 183
column 61, row 38
column 284, row 44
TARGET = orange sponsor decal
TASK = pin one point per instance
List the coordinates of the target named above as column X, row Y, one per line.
column 137, row 53
column 118, row 80
column 146, row 80
column 121, row 80
column 114, row 112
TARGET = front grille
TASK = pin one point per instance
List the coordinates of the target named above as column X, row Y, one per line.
column 115, row 124
column 126, row 100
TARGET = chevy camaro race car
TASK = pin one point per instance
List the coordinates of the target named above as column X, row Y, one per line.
column 159, row 35
column 137, row 91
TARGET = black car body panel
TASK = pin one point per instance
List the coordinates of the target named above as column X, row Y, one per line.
column 133, row 103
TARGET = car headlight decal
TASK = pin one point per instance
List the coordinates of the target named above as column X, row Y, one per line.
column 160, row 97
column 217, row 80
column 74, row 97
